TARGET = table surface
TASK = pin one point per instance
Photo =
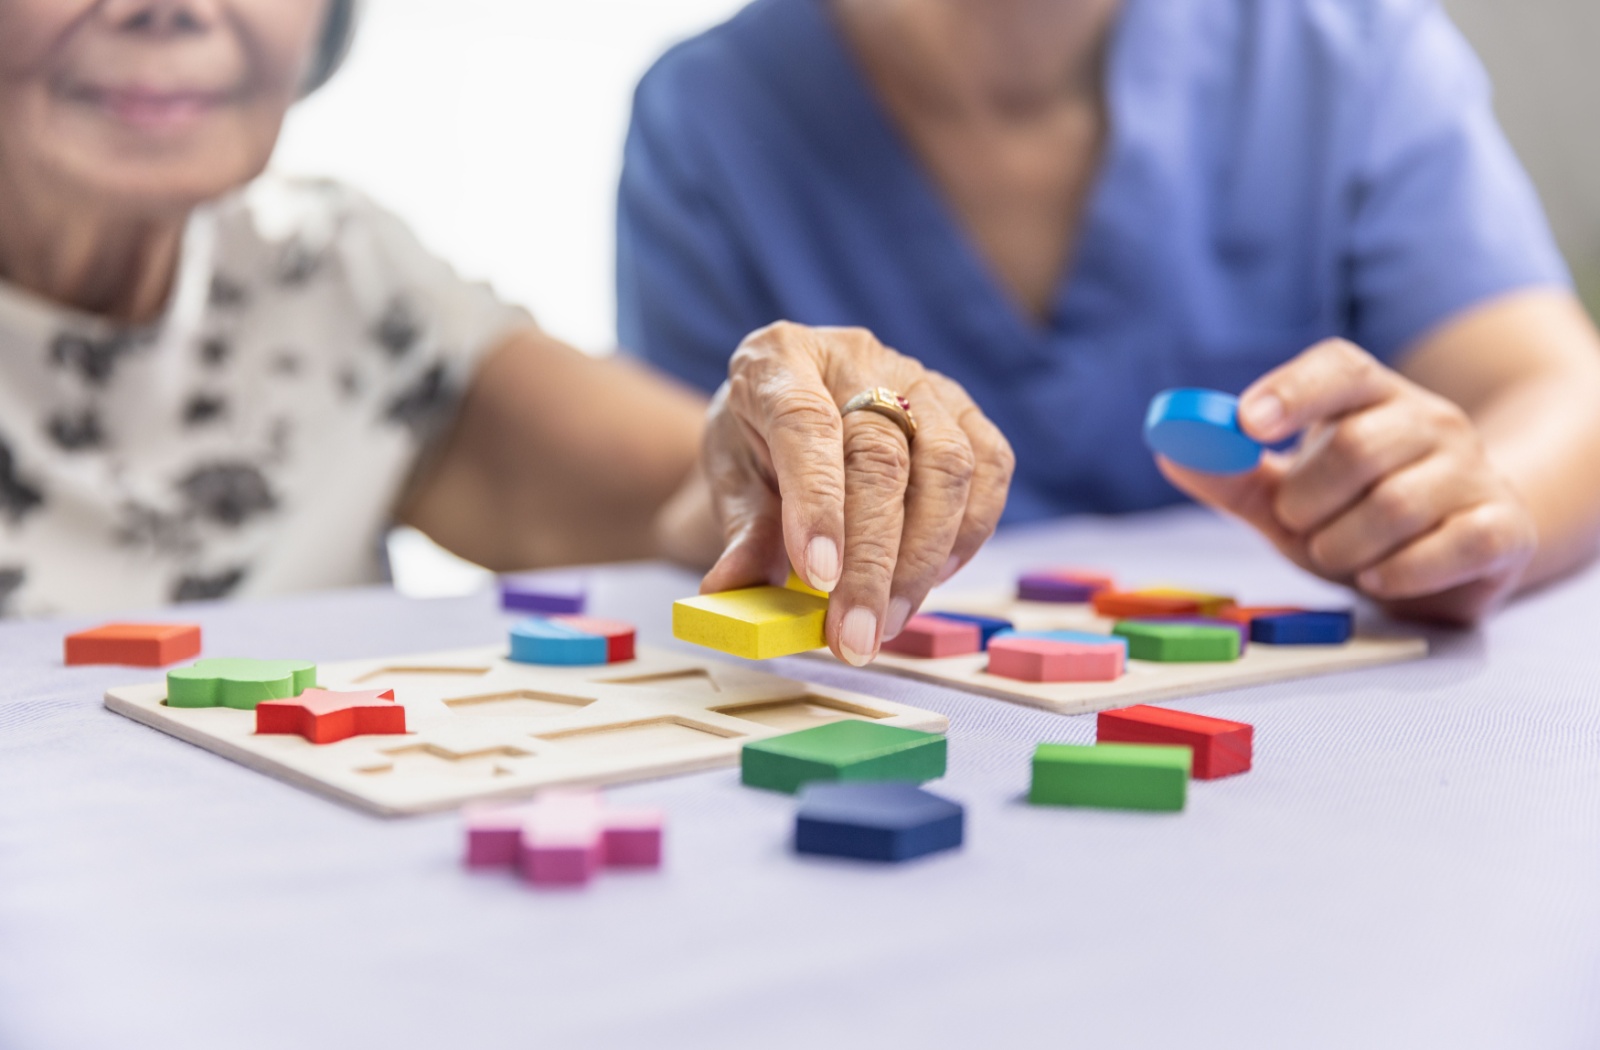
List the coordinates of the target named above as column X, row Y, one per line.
column 1414, row 861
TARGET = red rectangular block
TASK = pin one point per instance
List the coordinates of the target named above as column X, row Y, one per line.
column 134, row 644
column 1121, row 605
column 619, row 636
column 932, row 637
column 1043, row 660
column 1221, row 748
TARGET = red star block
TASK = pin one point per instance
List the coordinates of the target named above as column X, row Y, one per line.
column 134, row 644
column 323, row 716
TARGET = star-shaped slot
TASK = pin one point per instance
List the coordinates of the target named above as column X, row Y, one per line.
column 323, row 716
column 562, row 838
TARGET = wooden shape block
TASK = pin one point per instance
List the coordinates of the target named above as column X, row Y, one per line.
column 619, row 636
column 1199, row 429
column 934, row 637
column 1209, row 604
column 134, row 644
column 239, row 683
column 844, row 750
column 1128, row 606
column 1111, row 776
column 543, row 592
column 1164, row 642
column 553, row 643
column 757, row 623
column 324, row 717
column 1303, row 628
column 1221, row 748
column 795, row 583
column 1081, row 637
column 1240, row 629
column 1071, row 586
column 1048, row 660
column 988, row 626
column 562, row 838
column 1248, row 614
column 887, row 821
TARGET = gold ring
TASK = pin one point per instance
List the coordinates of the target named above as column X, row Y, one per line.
column 886, row 403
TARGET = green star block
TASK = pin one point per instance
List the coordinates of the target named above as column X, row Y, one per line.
column 847, row 750
column 238, row 682
column 1176, row 643
column 1111, row 776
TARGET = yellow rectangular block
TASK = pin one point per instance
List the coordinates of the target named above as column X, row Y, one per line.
column 797, row 584
column 757, row 623
column 1210, row 604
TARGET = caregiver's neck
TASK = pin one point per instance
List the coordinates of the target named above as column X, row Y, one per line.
column 90, row 254
column 1002, row 56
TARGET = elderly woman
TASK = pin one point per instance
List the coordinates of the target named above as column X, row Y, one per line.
column 1068, row 205
column 216, row 384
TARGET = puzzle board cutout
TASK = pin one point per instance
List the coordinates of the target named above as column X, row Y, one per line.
column 481, row 726
column 1144, row 682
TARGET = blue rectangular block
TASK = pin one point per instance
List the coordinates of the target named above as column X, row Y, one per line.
column 1302, row 628
column 988, row 626
column 1076, row 637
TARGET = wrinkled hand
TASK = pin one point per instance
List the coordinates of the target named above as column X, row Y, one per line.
column 1390, row 491
column 858, row 511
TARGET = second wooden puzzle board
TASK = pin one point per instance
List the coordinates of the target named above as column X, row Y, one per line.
column 1144, row 682
column 483, row 726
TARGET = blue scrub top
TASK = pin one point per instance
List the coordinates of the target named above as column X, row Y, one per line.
column 1276, row 172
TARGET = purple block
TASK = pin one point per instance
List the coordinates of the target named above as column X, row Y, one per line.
column 544, row 592
column 1035, row 588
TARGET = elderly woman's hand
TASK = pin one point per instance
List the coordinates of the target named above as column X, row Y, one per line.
column 857, row 508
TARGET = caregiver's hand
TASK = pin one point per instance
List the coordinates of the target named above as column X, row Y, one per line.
column 1390, row 491
column 857, row 509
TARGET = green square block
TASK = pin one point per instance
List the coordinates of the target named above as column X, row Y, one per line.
column 1175, row 643
column 239, row 683
column 1111, row 776
column 847, row 750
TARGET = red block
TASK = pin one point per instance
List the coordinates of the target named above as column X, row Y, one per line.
column 932, row 637
column 619, row 636
column 1221, row 748
column 1120, row 605
column 134, row 644
column 323, row 716
column 1244, row 614
column 1043, row 660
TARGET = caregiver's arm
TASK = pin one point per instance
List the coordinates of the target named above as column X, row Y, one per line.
column 558, row 457
column 1444, row 487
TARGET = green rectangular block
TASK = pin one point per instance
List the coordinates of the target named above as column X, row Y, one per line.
column 1178, row 642
column 846, row 750
column 1111, row 776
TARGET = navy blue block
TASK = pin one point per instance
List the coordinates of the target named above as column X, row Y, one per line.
column 1302, row 628
column 988, row 626
column 875, row 821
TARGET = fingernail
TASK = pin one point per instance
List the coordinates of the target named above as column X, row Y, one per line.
column 949, row 569
column 822, row 563
column 1262, row 414
column 858, row 636
column 899, row 613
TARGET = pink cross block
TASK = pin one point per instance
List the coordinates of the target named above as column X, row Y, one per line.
column 562, row 838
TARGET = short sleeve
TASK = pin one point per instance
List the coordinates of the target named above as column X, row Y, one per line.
column 686, row 295
column 430, row 325
column 1445, row 217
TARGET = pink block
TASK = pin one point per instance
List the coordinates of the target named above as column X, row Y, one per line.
column 565, row 851
column 1043, row 660
column 494, row 835
column 931, row 637
column 633, row 838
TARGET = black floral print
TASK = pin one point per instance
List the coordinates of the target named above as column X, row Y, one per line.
column 202, row 587
column 18, row 498
column 228, row 493
column 75, row 431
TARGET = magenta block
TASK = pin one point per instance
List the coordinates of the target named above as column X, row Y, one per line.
column 494, row 835
column 633, row 838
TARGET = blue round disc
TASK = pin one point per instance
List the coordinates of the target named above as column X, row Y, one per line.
column 1199, row 429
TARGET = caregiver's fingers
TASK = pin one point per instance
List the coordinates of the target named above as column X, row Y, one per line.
column 1337, row 464
column 1330, row 380
column 1493, row 539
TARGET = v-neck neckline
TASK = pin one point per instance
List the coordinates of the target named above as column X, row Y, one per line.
column 936, row 221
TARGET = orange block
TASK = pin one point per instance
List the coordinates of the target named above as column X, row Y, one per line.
column 1122, row 605
column 1246, row 613
column 134, row 644
column 1210, row 604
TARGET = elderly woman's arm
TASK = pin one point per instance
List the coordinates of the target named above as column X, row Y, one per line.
column 561, row 458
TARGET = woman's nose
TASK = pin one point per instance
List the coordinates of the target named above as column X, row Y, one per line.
column 160, row 17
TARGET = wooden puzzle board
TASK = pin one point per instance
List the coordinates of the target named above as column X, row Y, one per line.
column 481, row 726
column 1144, row 682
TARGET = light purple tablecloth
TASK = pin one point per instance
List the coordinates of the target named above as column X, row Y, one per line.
column 1414, row 861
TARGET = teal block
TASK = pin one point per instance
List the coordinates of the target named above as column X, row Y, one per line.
column 550, row 642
